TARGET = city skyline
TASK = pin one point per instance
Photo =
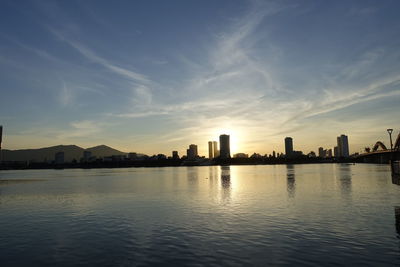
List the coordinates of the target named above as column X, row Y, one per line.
column 340, row 149
column 82, row 73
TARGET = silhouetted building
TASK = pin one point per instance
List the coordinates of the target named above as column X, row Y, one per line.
column 132, row 156
column 336, row 151
column 175, row 155
column 296, row 154
column 288, row 146
column 211, row 149
column 192, row 152
column 87, row 155
column 59, row 158
column 274, row 154
column 216, row 151
column 329, row 153
column 343, row 146
column 339, row 146
column 321, row 152
column 224, row 146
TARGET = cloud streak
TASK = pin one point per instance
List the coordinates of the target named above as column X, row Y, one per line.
column 89, row 54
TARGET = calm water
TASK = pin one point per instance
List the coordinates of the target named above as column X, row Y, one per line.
column 239, row 215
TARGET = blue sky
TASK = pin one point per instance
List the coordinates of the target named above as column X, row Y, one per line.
column 156, row 76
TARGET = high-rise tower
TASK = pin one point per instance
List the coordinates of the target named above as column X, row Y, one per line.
column 224, row 147
column 210, row 150
column 216, row 151
column 343, row 146
column 288, row 146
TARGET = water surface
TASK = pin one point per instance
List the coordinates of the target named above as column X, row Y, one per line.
column 284, row 214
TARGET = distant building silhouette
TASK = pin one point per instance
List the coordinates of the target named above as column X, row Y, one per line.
column 339, row 146
column 321, row 152
column 288, row 146
column 329, row 153
column 216, row 151
column 343, row 146
column 132, row 156
column 87, row 155
column 210, row 150
column 175, row 155
column 336, row 151
column 192, row 152
column 224, row 146
column 59, row 158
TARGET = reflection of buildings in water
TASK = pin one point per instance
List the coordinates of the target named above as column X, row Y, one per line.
column 397, row 218
column 212, row 172
column 213, row 177
column 193, row 177
column 345, row 180
column 290, row 181
column 226, row 181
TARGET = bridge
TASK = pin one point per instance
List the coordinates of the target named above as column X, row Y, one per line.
column 380, row 153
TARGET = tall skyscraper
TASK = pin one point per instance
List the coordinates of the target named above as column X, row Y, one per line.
column 343, row 146
column 339, row 147
column 224, row 146
column 288, row 146
column 335, row 152
column 216, row 151
column 210, row 150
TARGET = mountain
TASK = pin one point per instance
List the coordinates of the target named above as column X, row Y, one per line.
column 104, row 151
column 47, row 154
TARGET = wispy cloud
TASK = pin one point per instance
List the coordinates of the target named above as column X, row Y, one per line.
column 89, row 54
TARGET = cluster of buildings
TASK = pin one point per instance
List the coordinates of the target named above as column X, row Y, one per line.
column 224, row 151
column 341, row 150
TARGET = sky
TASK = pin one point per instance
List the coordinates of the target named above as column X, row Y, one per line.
column 156, row 76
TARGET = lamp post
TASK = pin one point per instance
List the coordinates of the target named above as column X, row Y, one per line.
column 390, row 131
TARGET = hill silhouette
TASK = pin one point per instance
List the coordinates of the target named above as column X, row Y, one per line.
column 46, row 154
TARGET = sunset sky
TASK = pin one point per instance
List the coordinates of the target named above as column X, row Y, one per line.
column 156, row 76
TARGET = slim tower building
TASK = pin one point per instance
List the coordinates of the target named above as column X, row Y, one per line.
column 224, row 146
column 288, row 146
column 210, row 150
column 216, row 151
column 339, row 147
column 343, row 146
